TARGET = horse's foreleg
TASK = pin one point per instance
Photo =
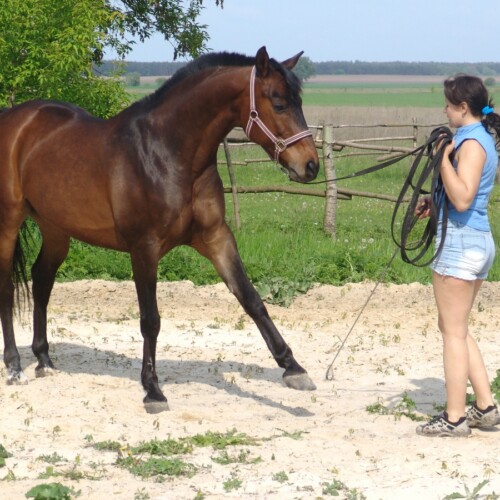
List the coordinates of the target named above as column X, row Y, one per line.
column 52, row 254
column 220, row 248
column 144, row 270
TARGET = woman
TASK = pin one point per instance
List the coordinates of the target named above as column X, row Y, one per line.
column 468, row 172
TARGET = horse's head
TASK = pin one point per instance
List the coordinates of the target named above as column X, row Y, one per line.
column 276, row 121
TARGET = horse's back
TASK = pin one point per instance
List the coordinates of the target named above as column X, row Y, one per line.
column 53, row 158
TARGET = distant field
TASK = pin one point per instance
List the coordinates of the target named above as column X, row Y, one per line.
column 377, row 91
column 356, row 91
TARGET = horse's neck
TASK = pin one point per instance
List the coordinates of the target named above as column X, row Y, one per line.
column 208, row 109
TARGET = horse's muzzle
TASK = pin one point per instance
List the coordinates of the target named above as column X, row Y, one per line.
column 312, row 169
column 307, row 173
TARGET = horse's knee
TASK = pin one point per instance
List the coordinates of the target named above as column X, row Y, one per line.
column 150, row 326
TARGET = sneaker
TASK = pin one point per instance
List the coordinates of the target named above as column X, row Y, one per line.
column 440, row 426
column 483, row 418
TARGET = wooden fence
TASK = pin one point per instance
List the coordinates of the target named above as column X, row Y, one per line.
column 329, row 149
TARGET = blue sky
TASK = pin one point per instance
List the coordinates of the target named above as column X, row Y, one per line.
column 365, row 30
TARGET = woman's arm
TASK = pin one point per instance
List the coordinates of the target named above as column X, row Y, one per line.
column 461, row 185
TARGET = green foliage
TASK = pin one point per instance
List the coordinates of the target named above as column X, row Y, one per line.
column 133, row 79
column 304, row 69
column 471, row 494
column 154, row 466
column 3, row 455
column 164, row 447
column 404, row 408
column 107, row 446
column 218, row 440
column 490, row 82
column 175, row 19
column 234, row 483
column 281, row 291
column 154, row 458
column 336, row 487
column 51, row 491
column 495, row 386
column 47, row 50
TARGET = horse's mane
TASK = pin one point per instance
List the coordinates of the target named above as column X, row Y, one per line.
column 213, row 60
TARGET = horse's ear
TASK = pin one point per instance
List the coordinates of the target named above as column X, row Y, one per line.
column 262, row 62
column 290, row 63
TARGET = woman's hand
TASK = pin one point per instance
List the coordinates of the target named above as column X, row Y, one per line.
column 423, row 208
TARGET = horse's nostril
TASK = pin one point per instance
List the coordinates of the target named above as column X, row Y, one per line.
column 312, row 169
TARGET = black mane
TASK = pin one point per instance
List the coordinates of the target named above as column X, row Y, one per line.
column 213, row 60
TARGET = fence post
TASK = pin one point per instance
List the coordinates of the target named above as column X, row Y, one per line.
column 234, row 190
column 330, row 220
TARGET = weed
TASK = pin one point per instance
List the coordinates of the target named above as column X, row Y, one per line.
column 52, row 459
column 281, row 477
column 219, row 440
column 224, row 458
column 52, row 491
column 336, row 487
column 154, row 466
column 165, row 447
column 281, row 291
column 232, row 484
column 3, row 455
column 141, row 494
column 292, row 435
column 472, row 494
column 405, row 408
column 495, row 386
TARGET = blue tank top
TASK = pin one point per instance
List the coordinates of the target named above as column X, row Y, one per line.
column 476, row 216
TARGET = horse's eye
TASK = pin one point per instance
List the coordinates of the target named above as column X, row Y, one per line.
column 279, row 106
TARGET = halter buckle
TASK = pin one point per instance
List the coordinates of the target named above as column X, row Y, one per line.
column 280, row 145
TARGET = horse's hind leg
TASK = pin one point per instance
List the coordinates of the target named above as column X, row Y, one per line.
column 12, row 360
column 54, row 250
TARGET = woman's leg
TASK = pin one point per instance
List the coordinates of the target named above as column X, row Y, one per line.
column 478, row 375
column 454, row 299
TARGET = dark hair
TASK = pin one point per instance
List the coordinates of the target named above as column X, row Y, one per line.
column 471, row 90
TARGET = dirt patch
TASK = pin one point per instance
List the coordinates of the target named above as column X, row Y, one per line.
column 218, row 376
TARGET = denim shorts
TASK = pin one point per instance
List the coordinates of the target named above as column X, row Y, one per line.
column 467, row 253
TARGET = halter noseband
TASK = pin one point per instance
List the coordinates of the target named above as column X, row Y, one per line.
column 279, row 144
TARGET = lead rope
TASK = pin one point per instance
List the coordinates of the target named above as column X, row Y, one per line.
column 329, row 370
column 438, row 195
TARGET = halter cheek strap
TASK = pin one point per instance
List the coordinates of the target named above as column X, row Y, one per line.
column 279, row 144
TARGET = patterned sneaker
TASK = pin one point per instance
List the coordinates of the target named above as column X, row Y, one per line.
column 483, row 418
column 440, row 426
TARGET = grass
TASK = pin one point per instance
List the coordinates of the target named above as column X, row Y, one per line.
column 398, row 95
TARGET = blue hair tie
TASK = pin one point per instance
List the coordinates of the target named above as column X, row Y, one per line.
column 487, row 110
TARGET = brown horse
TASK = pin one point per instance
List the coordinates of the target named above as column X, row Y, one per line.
column 144, row 182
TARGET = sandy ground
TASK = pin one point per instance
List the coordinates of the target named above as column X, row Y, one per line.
column 218, row 376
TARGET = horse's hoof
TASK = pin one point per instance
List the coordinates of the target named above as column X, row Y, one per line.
column 17, row 378
column 45, row 371
column 153, row 406
column 301, row 382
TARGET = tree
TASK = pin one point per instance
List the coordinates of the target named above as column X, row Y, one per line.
column 142, row 18
column 48, row 48
column 305, row 69
column 133, row 79
column 490, row 81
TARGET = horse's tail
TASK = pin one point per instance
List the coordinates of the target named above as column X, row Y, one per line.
column 19, row 268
